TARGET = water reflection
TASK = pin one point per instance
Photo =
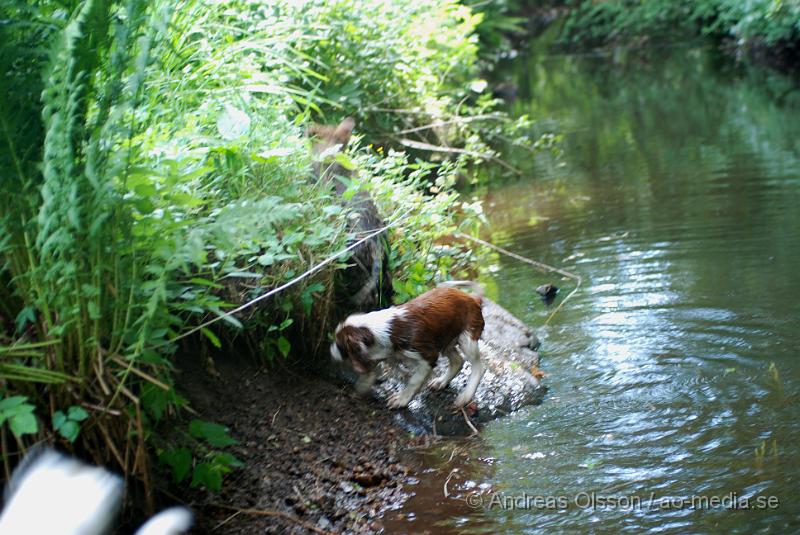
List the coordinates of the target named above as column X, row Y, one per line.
column 674, row 372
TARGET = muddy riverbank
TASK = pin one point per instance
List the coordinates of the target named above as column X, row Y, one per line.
column 317, row 456
column 314, row 453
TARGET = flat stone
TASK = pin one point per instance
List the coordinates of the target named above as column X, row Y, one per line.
column 509, row 349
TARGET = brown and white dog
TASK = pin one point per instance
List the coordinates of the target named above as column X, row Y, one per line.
column 442, row 321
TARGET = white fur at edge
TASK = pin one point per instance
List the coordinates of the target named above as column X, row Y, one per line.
column 172, row 521
column 56, row 494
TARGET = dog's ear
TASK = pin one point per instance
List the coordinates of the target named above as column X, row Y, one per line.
column 355, row 342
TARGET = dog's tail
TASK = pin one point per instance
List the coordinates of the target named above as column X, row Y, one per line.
column 476, row 288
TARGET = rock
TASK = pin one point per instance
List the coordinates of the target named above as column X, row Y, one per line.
column 547, row 290
column 548, row 293
column 323, row 523
column 509, row 351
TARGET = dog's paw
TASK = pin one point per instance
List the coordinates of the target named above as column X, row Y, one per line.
column 461, row 401
column 438, row 384
column 397, row 401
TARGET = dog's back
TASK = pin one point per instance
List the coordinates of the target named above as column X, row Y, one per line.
column 436, row 318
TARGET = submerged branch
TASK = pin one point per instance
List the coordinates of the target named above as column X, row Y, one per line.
column 541, row 265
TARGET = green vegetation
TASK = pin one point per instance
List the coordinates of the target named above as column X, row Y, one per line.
column 771, row 23
column 155, row 174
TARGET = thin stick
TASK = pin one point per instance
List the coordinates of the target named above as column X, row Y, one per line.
column 275, row 415
column 140, row 373
column 292, row 282
column 112, row 412
column 577, row 278
column 458, row 120
column 6, row 465
column 410, row 143
column 234, row 515
column 150, row 506
column 99, row 374
column 273, row 513
column 452, row 455
column 399, row 111
column 112, row 447
column 469, row 422
column 446, row 481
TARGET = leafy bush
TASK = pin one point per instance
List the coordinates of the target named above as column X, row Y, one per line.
column 163, row 178
column 771, row 21
column 775, row 23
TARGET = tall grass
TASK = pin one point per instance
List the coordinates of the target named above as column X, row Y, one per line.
column 155, row 173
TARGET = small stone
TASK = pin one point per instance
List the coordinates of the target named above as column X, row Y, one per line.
column 547, row 290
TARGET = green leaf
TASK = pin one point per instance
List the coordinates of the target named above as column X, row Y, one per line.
column 59, row 419
column 26, row 315
column 145, row 189
column 70, row 430
column 307, row 295
column 216, row 435
column 228, row 319
column 179, row 460
column 155, row 400
column 284, row 346
column 20, row 415
column 208, row 476
column 67, row 424
column 212, row 337
column 24, row 424
column 345, row 161
column 272, row 154
column 94, row 310
column 11, row 402
column 227, row 459
column 77, row 413
column 206, row 282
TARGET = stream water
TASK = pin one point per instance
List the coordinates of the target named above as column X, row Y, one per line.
column 674, row 372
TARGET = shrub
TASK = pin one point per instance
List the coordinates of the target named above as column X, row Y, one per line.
column 775, row 23
column 163, row 178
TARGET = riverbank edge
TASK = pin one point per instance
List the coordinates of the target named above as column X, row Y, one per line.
column 316, row 455
column 782, row 56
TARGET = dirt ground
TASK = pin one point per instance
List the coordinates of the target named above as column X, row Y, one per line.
column 318, row 459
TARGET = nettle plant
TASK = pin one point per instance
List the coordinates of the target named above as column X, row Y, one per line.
column 424, row 192
column 164, row 178
column 123, row 236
